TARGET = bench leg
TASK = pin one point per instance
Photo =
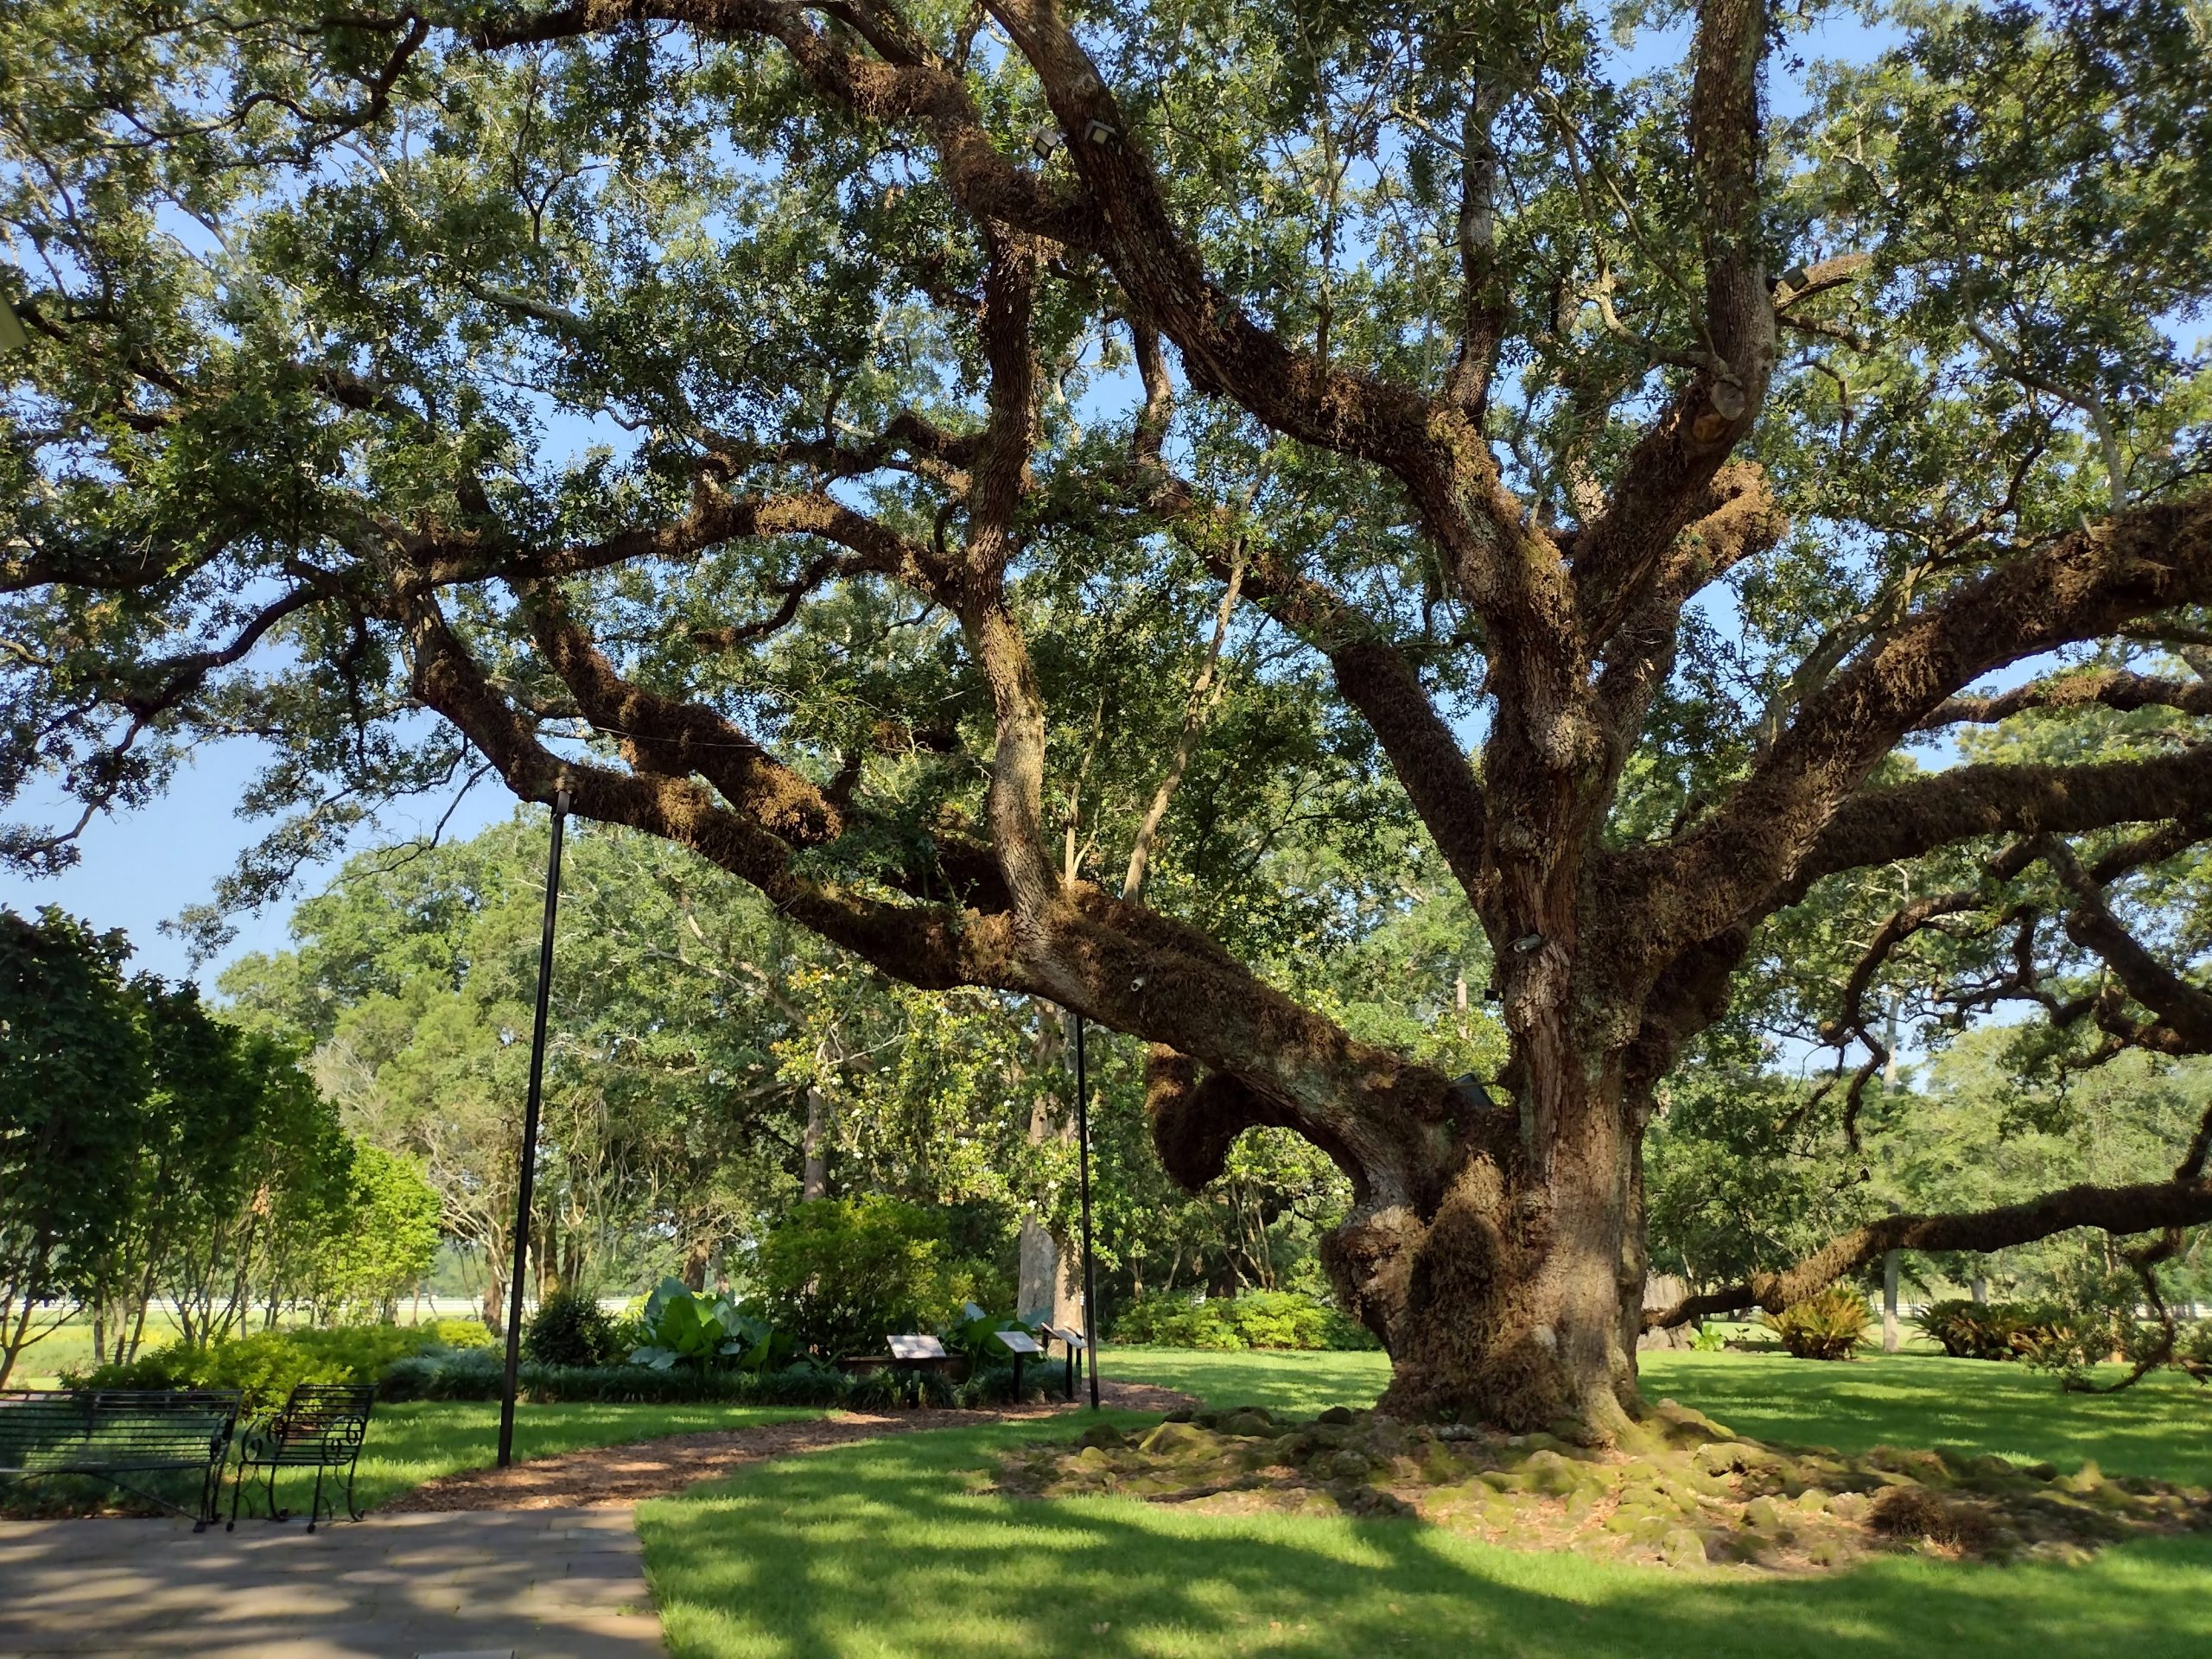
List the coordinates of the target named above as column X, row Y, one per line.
column 349, row 1468
column 276, row 1514
column 314, row 1505
column 237, row 1487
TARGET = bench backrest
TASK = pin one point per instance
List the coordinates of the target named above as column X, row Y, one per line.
column 325, row 1412
column 114, row 1428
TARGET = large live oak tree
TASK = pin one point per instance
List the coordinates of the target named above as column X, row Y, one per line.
column 1644, row 475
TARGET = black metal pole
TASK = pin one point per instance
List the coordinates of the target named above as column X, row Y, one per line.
column 528, row 1176
column 1082, row 1163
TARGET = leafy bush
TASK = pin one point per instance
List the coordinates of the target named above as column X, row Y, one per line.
column 1258, row 1318
column 679, row 1327
column 1971, row 1330
column 1825, row 1326
column 269, row 1365
column 570, row 1329
column 843, row 1275
column 676, row 1326
column 1176, row 1321
column 2193, row 1350
column 975, row 1334
column 458, row 1333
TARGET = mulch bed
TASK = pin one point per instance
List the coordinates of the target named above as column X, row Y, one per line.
column 613, row 1477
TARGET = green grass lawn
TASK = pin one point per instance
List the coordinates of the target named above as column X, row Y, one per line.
column 419, row 1440
column 889, row 1548
column 2161, row 1427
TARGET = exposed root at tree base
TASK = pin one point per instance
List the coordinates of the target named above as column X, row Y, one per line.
column 1692, row 1494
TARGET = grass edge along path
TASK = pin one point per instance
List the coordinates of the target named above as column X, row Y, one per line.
column 895, row 1549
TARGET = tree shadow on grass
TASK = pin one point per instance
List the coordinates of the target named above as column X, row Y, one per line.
column 881, row 1550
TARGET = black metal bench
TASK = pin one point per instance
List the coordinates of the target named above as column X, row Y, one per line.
column 106, row 1433
column 320, row 1427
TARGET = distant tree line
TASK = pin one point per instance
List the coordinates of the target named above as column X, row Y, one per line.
column 153, row 1154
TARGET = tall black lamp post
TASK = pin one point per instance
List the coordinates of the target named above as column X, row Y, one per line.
column 1083, row 1164
column 528, row 1181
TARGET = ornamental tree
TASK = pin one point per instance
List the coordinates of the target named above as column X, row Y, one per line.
column 980, row 473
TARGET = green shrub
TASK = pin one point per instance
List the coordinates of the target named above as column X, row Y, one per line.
column 460, row 1333
column 269, row 1364
column 1176, row 1321
column 1825, row 1326
column 1258, row 1318
column 842, row 1274
column 570, row 1329
column 2193, row 1350
column 975, row 1334
column 1970, row 1330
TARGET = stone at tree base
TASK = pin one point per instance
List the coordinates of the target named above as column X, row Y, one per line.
column 1171, row 1440
column 1547, row 1472
column 1338, row 1414
column 2085, row 1480
column 1681, row 1547
column 1104, row 1435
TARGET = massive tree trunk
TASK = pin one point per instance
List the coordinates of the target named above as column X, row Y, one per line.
column 1516, row 1298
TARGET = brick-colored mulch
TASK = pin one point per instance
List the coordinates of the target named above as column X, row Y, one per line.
column 609, row 1477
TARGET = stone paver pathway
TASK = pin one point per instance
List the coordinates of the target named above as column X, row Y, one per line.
column 546, row 1584
column 539, row 1561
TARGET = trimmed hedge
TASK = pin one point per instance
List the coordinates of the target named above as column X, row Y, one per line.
column 1258, row 1318
column 269, row 1364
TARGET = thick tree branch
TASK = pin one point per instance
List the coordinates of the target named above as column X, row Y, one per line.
column 1795, row 812
column 2180, row 1006
column 445, row 556
column 2106, row 688
column 905, row 82
column 1617, row 557
column 932, row 947
column 2141, row 1208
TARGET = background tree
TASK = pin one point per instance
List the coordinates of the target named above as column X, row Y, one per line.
column 74, row 1070
column 757, row 422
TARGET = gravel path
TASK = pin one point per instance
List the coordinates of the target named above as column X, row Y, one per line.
column 612, row 1477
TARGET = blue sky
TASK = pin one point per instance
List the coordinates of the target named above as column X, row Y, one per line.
column 139, row 870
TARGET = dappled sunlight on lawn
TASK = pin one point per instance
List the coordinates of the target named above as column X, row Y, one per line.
column 885, row 1549
column 419, row 1440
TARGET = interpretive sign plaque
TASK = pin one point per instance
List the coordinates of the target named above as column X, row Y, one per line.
column 916, row 1347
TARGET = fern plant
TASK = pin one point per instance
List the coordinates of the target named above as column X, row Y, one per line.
column 1825, row 1326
